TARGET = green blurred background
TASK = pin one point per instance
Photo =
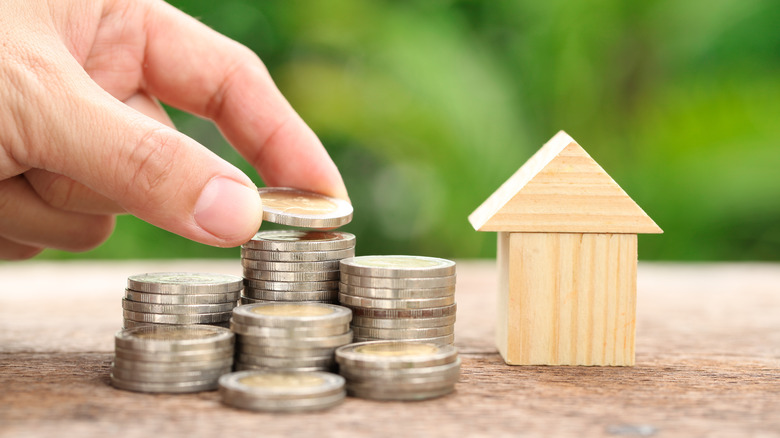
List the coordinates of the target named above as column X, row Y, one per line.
column 428, row 106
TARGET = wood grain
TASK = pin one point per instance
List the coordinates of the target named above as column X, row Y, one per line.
column 561, row 189
column 707, row 364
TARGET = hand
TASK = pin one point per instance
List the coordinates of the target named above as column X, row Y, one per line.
column 83, row 137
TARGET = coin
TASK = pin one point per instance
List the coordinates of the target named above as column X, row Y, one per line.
column 447, row 372
column 174, row 338
column 169, row 387
column 162, row 377
column 392, row 395
column 292, row 286
column 281, row 391
column 247, row 300
column 395, row 355
column 307, row 276
column 440, row 340
column 274, row 295
column 301, row 240
column 402, row 323
column 250, row 367
column 396, row 266
column 286, row 362
column 183, row 283
column 145, row 297
column 289, row 332
column 329, row 265
column 291, row 315
column 162, row 318
column 299, row 208
column 172, row 367
column 396, row 294
column 179, row 356
column 397, row 283
column 251, row 257
column 312, row 342
column 177, row 309
column 434, row 312
column 286, row 352
column 401, row 334
column 374, row 303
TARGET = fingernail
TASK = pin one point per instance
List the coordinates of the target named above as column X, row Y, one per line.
column 228, row 209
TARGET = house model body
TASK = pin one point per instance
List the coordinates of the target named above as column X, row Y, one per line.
column 567, row 259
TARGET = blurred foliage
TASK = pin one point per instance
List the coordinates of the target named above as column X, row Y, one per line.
column 428, row 106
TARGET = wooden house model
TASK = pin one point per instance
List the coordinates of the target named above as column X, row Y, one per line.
column 567, row 259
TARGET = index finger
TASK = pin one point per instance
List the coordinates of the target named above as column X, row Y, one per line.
column 194, row 68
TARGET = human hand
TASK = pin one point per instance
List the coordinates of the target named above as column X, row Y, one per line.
column 83, row 136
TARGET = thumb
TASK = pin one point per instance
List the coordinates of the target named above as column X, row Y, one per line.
column 150, row 169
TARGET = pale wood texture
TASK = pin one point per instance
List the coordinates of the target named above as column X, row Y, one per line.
column 561, row 189
column 707, row 364
column 568, row 299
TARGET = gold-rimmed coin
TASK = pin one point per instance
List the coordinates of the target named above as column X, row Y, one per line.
column 298, row 208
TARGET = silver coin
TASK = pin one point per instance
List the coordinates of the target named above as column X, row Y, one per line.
column 129, row 323
column 179, row 356
column 291, row 315
column 401, row 334
column 145, row 297
column 163, row 318
column 441, row 340
column 396, row 384
column 286, row 362
column 298, row 208
column 301, row 240
column 275, row 295
column 307, row 276
column 292, row 286
column 318, row 342
column 253, row 265
column 251, row 258
column 395, row 355
column 282, row 351
column 286, row 405
column 396, row 294
column 177, row 309
column 246, row 300
column 174, row 338
column 172, row 367
column 390, row 395
column 282, row 384
column 397, row 283
column 169, row 387
column 251, row 367
column 375, row 303
column 403, row 323
column 184, row 283
column 289, row 332
column 396, row 266
column 188, row 376
column 398, row 377
column 434, row 312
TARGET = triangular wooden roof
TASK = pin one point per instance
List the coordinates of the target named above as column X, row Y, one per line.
column 561, row 189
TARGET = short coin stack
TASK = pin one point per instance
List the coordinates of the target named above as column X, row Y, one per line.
column 400, row 298
column 393, row 370
column 293, row 265
column 179, row 298
column 289, row 336
column 171, row 358
column 281, row 391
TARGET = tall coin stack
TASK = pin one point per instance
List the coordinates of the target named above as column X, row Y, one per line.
column 180, row 298
column 289, row 336
column 171, row 358
column 392, row 370
column 400, row 298
column 293, row 265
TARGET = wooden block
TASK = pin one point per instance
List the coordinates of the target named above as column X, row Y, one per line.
column 567, row 298
column 561, row 189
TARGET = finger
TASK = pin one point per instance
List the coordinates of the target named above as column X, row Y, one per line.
column 151, row 170
column 198, row 70
column 63, row 193
column 149, row 107
column 10, row 250
column 28, row 220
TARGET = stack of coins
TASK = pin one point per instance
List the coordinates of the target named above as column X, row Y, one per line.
column 393, row 370
column 281, row 391
column 292, row 265
column 400, row 298
column 179, row 298
column 171, row 358
column 289, row 336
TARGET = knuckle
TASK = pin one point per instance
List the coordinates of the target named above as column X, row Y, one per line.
column 153, row 159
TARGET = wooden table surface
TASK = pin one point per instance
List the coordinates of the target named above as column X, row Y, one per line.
column 708, row 364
